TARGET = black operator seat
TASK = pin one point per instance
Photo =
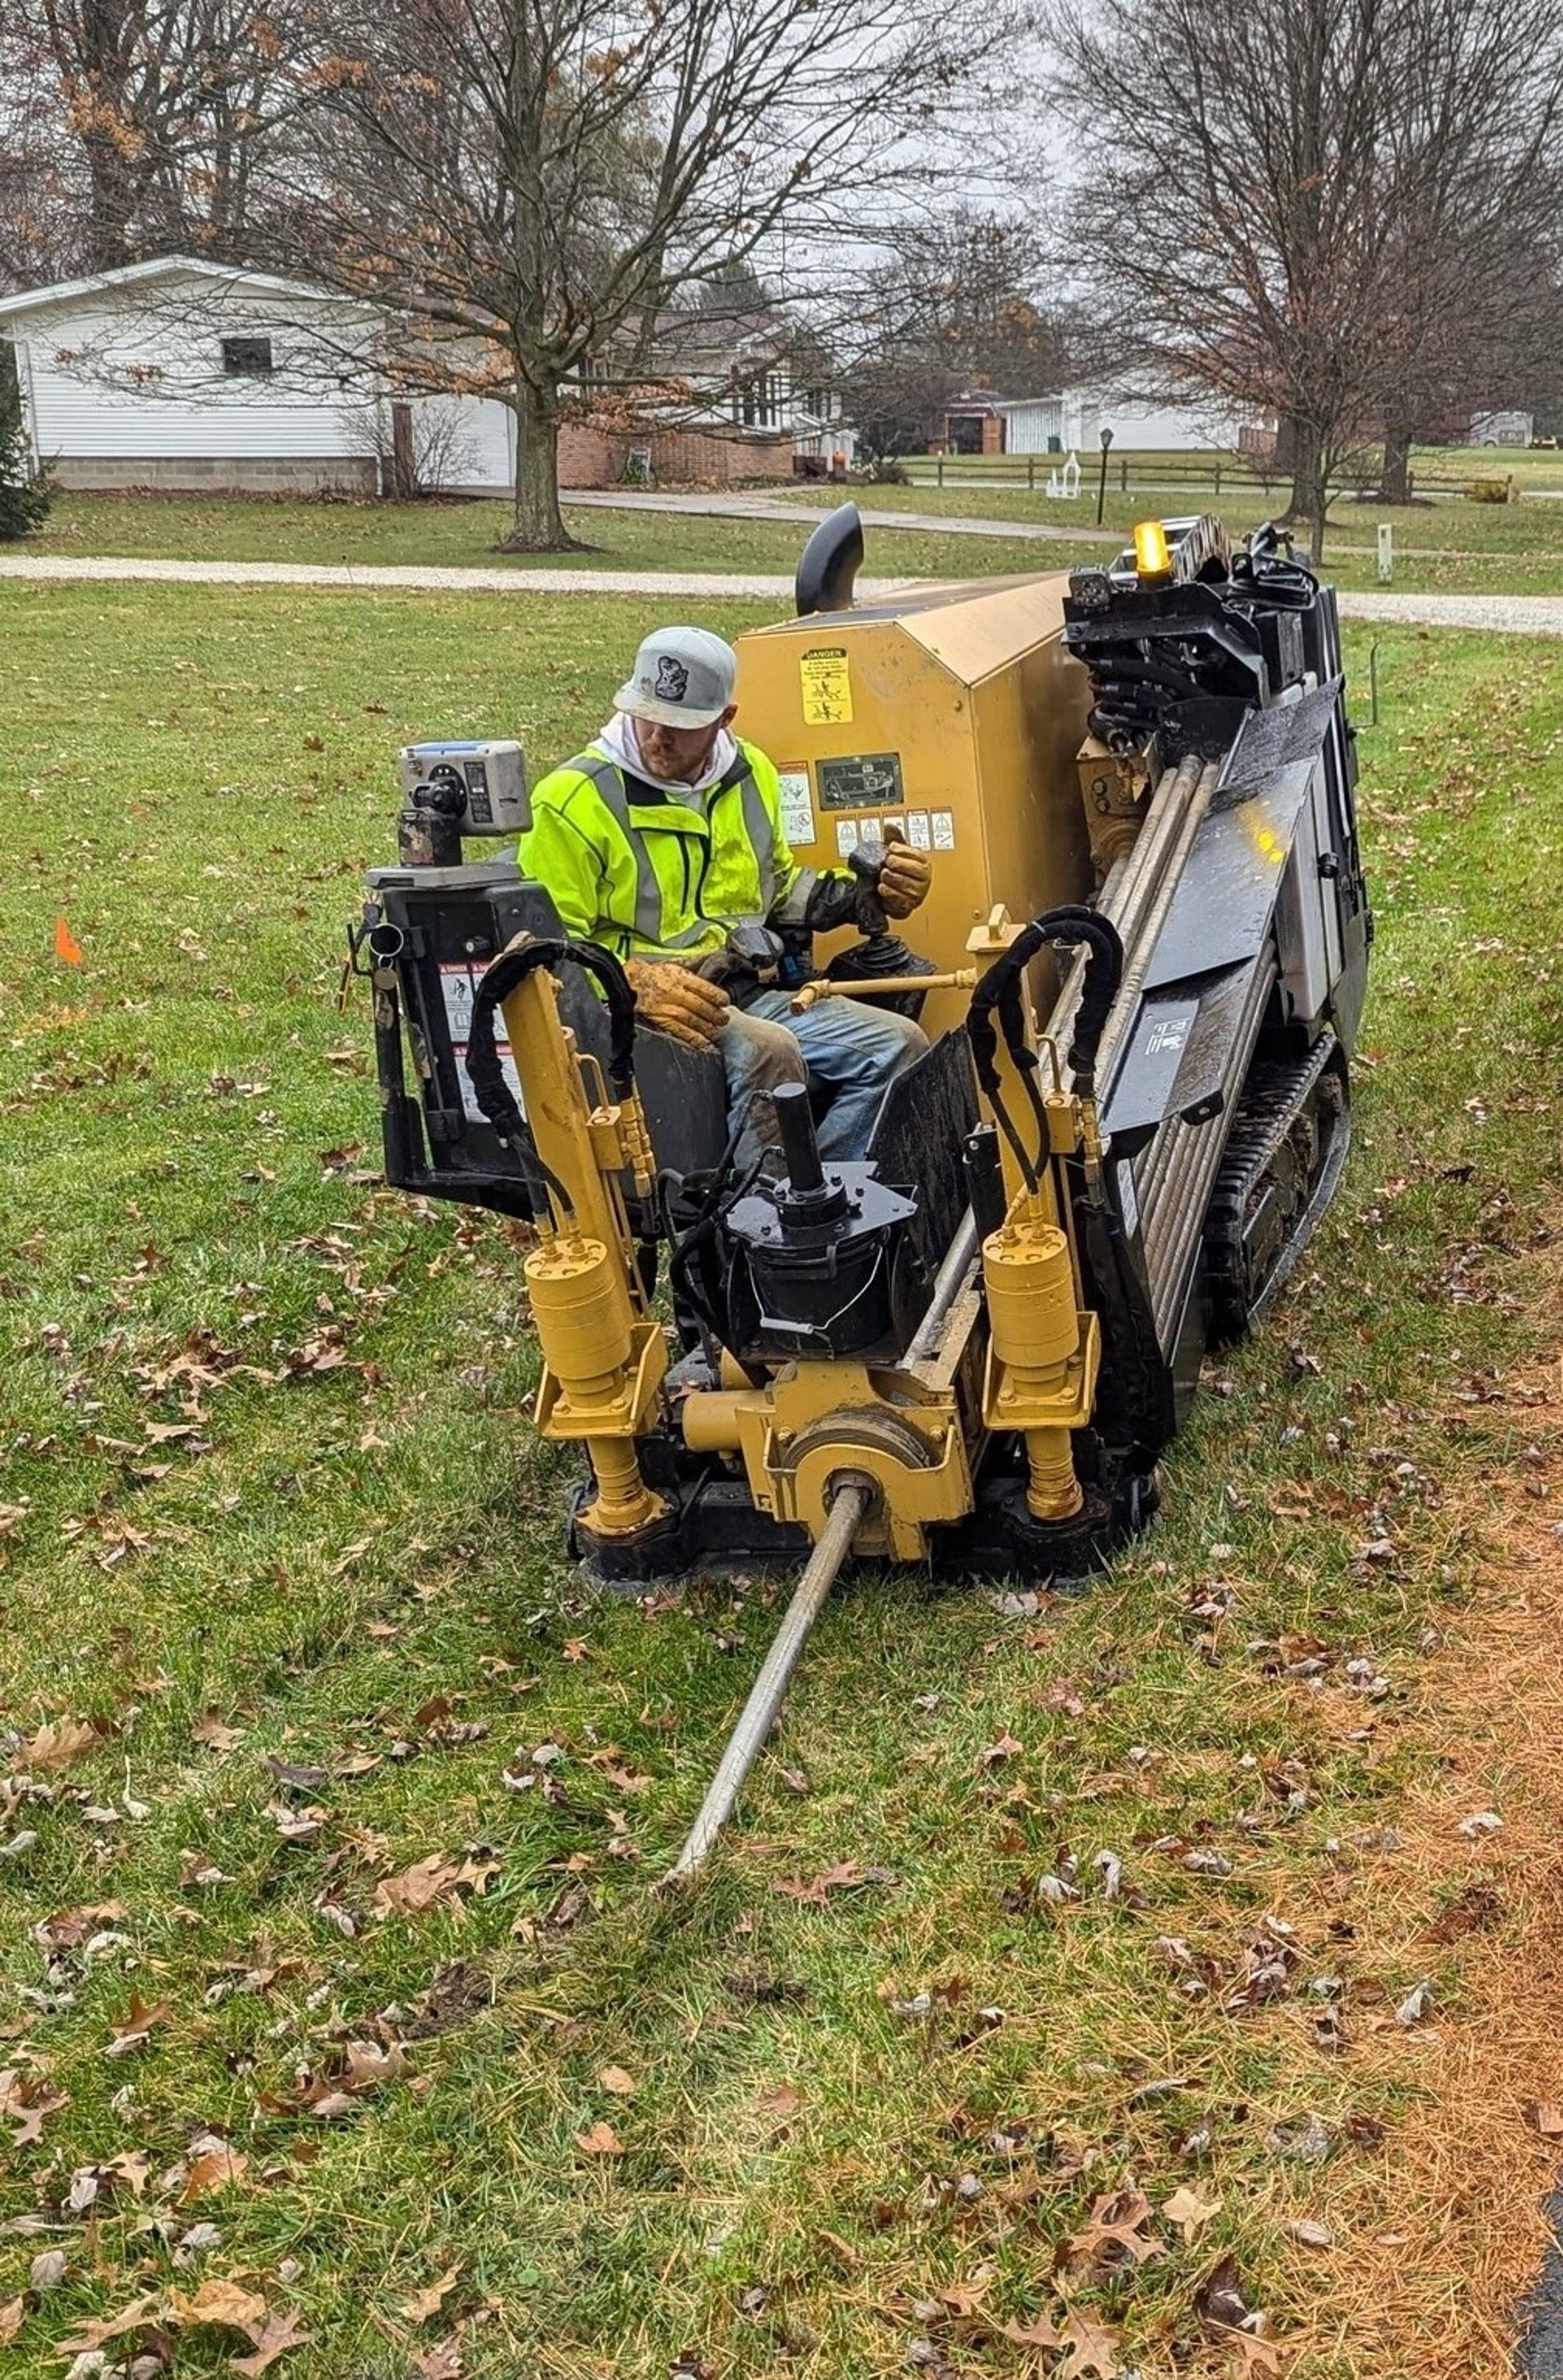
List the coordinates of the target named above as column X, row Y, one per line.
column 682, row 1091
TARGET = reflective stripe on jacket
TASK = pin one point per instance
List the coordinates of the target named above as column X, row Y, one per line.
column 630, row 866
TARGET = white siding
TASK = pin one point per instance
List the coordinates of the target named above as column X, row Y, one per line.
column 142, row 375
column 1148, row 428
column 467, row 443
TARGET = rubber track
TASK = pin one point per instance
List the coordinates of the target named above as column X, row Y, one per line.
column 1273, row 1097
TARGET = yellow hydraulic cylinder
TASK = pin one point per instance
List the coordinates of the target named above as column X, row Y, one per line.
column 1033, row 1329
column 585, row 1328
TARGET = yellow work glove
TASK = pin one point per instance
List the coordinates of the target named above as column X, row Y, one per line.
column 905, row 879
column 673, row 999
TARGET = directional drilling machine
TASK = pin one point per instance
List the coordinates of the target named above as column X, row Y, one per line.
column 1142, row 967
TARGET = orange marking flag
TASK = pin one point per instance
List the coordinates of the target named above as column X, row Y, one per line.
column 66, row 947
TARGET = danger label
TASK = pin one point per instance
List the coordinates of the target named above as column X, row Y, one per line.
column 825, row 680
column 459, row 983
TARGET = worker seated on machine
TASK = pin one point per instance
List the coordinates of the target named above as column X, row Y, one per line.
column 663, row 840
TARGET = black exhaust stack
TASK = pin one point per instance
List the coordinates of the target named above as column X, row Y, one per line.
column 830, row 563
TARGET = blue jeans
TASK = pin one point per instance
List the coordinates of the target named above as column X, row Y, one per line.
column 858, row 1049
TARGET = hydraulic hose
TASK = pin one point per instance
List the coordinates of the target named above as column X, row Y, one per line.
column 484, row 1069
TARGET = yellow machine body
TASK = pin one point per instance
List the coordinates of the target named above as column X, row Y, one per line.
column 950, row 712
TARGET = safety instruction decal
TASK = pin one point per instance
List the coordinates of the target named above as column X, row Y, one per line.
column 918, row 831
column 846, row 837
column 826, row 682
column 943, row 823
column 797, row 805
column 458, row 982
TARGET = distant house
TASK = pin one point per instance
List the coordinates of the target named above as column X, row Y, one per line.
column 181, row 375
column 1071, row 420
column 709, row 392
column 1506, row 427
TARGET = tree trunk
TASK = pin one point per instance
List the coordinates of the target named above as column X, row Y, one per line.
column 538, row 526
column 404, row 463
column 1303, row 449
column 1316, row 506
column 1395, row 486
column 110, row 201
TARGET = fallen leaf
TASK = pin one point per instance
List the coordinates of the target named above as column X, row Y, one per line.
column 845, row 1875
column 424, row 2304
column 1189, row 2211
column 93, row 2334
column 216, row 2170
column 132, row 2167
column 13, row 2314
column 780, row 2103
column 419, row 1887
column 71, row 1927
column 1417, row 2006
column 1310, row 2235
column 58, row 1742
column 215, row 1731
column 441, row 2362
column 1547, row 2118
column 1038, row 2332
column 1480, row 1822
column 1113, row 2234
column 965, row 2296
column 132, row 2030
column 600, row 2140
column 27, row 2102
column 67, row 949
column 1092, row 2350
column 1219, row 2297
column 1004, row 1747
column 280, row 2334
column 225, row 2304
column 48, row 2270
column 1255, row 2356
column 614, row 2079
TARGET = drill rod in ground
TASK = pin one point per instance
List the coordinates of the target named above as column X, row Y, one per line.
column 748, row 1740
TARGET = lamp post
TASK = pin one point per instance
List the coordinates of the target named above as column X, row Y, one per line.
column 1106, row 435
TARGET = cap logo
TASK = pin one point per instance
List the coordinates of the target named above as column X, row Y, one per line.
column 672, row 679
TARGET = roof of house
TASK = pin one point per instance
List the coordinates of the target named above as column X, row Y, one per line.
column 164, row 268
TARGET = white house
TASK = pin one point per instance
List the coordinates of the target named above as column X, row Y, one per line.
column 183, row 374
column 1071, row 420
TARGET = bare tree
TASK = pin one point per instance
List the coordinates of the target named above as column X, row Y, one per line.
column 518, row 180
column 1326, row 208
column 141, row 119
column 1229, row 212
column 959, row 299
column 1471, row 142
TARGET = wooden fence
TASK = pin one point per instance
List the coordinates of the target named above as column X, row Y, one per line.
column 1131, row 474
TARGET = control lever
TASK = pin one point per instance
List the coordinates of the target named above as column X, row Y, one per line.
column 881, row 953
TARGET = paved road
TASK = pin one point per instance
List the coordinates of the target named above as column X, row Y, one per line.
column 1520, row 615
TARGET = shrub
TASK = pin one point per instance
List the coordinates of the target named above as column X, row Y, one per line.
column 24, row 499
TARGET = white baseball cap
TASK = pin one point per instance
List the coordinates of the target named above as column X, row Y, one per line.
column 683, row 677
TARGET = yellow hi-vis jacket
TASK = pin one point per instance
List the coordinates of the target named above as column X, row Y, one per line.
column 630, row 866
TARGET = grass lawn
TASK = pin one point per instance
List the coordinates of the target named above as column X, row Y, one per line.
column 1450, row 547
column 442, row 535
column 1446, row 548
column 274, row 1523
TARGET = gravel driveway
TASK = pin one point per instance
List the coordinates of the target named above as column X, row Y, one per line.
column 1515, row 615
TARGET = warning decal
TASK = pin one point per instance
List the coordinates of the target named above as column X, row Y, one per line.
column 459, row 983
column 826, row 683
column 798, row 807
